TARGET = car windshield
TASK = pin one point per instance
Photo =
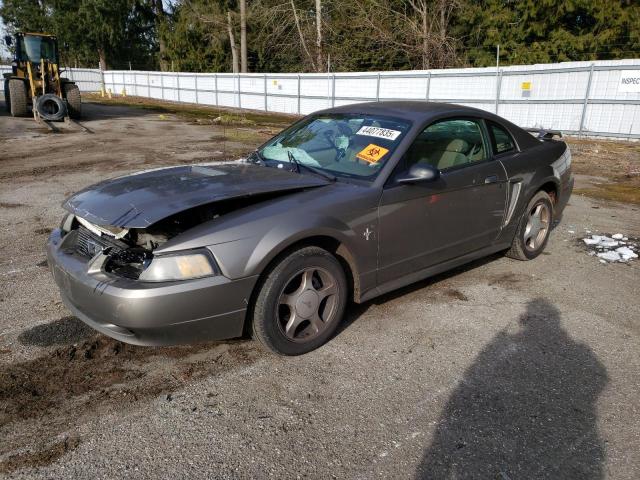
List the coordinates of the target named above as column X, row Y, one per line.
column 34, row 48
column 355, row 146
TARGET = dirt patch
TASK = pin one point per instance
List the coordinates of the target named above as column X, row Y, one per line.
column 67, row 385
column 625, row 191
column 198, row 113
column 456, row 294
column 39, row 458
column 53, row 169
column 617, row 164
column 11, row 205
column 509, row 280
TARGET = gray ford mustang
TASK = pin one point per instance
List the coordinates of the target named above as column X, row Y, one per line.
column 344, row 205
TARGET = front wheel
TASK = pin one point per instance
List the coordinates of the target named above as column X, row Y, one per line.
column 301, row 302
column 71, row 94
column 534, row 228
column 17, row 97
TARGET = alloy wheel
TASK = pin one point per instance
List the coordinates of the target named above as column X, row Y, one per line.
column 538, row 222
column 308, row 304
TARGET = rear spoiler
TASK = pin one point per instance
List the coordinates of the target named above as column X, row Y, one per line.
column 544, row 134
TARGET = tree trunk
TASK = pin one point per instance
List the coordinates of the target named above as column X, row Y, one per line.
column 301, row 35
column 159, row 22
column 103, row 59
column 319, row 55
column 425, row 38
column 243, row 36
column 232, row 41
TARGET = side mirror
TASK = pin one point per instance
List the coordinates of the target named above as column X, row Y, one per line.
column 419, row 173
column 8, row 40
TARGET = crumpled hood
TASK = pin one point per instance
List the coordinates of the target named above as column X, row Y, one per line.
column 142, row 199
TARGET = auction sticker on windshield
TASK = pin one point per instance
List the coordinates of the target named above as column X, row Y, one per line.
column 372, row 153
column 378, row 132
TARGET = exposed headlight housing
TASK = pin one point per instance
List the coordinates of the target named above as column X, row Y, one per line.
column 183, row 266
column 67, row 223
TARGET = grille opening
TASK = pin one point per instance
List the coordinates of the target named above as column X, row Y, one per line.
column 88, row 244
column 123, row 260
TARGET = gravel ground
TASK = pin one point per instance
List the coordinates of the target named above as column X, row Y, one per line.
column 501, row 369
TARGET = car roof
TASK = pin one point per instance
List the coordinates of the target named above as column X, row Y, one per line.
column 409, row 109
column 420, row 112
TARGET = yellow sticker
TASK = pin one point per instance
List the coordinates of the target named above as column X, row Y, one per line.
column 372, row 153
column 526, row 85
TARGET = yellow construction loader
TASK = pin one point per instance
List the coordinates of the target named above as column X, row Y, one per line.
column 35, row 80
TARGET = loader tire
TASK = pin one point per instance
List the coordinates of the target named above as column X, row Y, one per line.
column 17, row 98
column 51, row 107
column 71, row 93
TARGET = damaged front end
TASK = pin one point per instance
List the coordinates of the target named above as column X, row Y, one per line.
column 129, row 252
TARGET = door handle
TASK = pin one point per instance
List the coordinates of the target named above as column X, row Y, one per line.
column 491, row 179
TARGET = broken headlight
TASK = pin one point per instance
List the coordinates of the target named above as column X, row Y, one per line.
column 67, row 223
column 184, row 266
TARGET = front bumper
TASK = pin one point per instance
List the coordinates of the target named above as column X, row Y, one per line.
column 145, row 313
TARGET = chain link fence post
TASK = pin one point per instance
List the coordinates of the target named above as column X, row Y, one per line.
column 333, row 90
column 428, row 85
column 498, row 86
column 215, row 86
column 298, row 94
column 586, row 101
column 378, row 87
column 266, row 103
column 104, row 86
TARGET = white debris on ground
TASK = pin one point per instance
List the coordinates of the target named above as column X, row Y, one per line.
column 614, row 248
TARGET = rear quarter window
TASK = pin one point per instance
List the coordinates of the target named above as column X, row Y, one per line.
column 501, row 139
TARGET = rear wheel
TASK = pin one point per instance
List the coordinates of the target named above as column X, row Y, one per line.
column 301, row 302
column 534, row 228
column 17, row 98
column 72, row 93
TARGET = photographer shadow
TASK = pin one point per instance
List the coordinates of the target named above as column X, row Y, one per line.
column 526, row 408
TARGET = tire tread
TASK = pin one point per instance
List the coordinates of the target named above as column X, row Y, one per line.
column 17, row 97
column 517, row 250
column 259, row 312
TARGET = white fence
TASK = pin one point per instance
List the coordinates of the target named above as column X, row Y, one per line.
column 591, row 98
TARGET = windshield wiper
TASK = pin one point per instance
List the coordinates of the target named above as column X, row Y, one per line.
column 315, row 170
column 260, row 159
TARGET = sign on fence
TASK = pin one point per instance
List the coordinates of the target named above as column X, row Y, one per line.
column 629, row 81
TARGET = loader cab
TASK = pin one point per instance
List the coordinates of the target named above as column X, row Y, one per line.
column 32, row 47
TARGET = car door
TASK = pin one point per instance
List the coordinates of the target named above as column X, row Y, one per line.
column 424, row 224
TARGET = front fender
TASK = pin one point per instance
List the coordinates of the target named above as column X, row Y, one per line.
column 250, row 256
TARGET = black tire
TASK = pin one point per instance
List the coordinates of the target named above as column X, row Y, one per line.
column 524, row 245
column 51, row 107
column 267, row 320
column 17, row 97
column 6, row 95
column 71, row 93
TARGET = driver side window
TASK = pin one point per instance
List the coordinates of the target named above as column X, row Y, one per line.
column 447, row 144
